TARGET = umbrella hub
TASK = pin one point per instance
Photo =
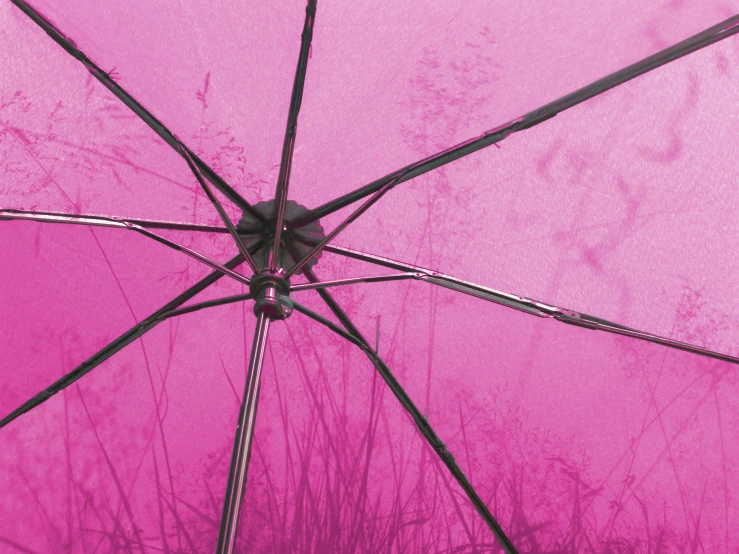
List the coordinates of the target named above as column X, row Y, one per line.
column 294, row 244
column 271, row 292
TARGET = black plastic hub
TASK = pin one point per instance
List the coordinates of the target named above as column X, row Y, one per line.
column 295, row 242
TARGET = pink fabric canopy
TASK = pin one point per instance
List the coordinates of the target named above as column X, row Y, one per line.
column 428, row 404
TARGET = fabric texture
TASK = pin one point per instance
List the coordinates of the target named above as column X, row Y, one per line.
column 623, row 207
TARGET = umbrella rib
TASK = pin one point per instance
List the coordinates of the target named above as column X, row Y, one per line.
column 340, row 227
column 353, row 336
column 356, row 280
column 221, row 212
column 377, row 189
column 208, row 304
column 705, row 38
column 435, row 278
column 527, row 305
column 12, row 213
column 163, row 313
column 441, row 279
column 124, row 224
column 296, row 99
column 147, row 117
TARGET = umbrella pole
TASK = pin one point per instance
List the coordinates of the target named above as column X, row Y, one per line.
column 243, row 440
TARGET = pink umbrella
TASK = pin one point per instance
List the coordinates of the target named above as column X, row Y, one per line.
column 409, row 405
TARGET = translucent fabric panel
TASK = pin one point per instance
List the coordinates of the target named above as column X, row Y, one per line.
column 623, row 207
column 392, row 82
column 570, row 435
column 69, row 290
column 136, row 455
column 68, row 145
column 219, row 77
column 338, row 466
column 581, row 440
column 117, row 461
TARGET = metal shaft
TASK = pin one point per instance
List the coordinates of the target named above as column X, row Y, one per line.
column 242, row 441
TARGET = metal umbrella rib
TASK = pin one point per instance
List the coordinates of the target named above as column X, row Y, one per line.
column 353, row 334
column 96, row 219
column 221, row 212
column 718, row 32
column 533, row 307
column 125, row 224
column 170, row 309
column 380, row 187
column 147, row 117
column 102, row 220
column 296, row 99
column 433, row 440
column 340, row 227
column 122, row 341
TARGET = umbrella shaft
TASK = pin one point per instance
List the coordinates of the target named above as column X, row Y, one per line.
column 242, row 441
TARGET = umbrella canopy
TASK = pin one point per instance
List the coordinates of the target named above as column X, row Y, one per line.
column 367, row 274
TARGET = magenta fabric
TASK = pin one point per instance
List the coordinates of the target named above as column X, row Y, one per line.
column 622, row 208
